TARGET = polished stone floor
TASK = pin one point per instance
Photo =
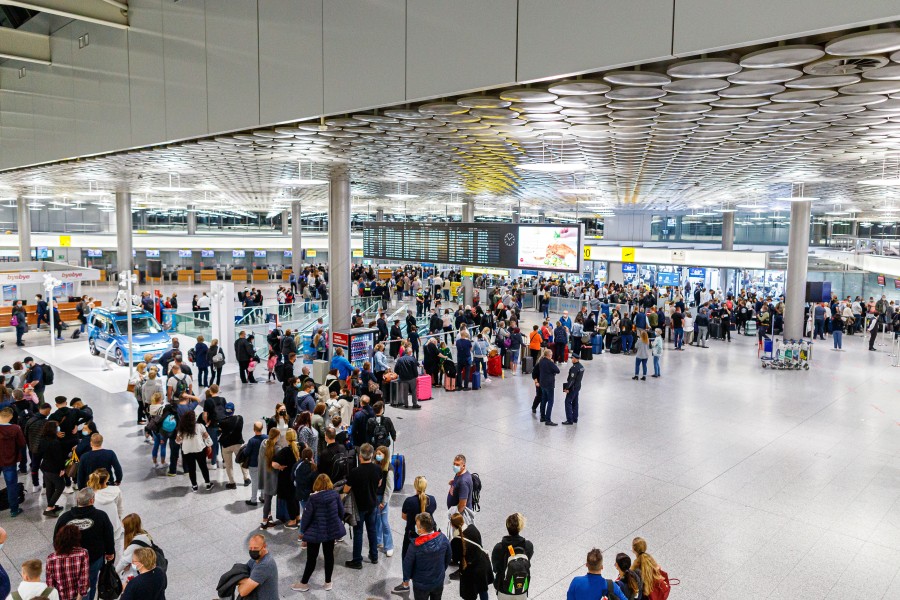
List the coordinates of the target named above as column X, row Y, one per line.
column 746, row 483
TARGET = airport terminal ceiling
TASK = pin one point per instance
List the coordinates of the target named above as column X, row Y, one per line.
column 742, row 130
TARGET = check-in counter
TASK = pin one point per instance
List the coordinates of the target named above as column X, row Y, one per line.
column 286, row 274
column 186, row 276
column 66, row 310
column 208, row 275
column 239, row 275
column 260, row 274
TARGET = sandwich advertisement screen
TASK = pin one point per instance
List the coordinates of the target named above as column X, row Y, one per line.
column 549, row 248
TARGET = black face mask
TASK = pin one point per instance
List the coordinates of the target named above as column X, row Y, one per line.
column 254, row 554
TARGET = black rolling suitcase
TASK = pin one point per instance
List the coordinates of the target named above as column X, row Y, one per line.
column 715, row 329
column 393, row 394
column 507, row 359
column 4, row 499
column 527, row 364
column 615, row 344
column 587, row 352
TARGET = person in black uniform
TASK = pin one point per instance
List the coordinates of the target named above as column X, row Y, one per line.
column 571, row 387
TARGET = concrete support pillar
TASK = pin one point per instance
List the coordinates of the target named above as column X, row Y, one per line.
column 379, row 215
column 339, row 248
column 192, row 220
column 515, row 215
column 23, row 220
column 468, row 211
column 542, row 218
column 285, row 217
column 614, row 272
column 124, row 260
column 296, row 237
column 797, row 263
column 727, row 244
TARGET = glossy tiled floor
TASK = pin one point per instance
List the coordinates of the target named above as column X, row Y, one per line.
column 746, row 483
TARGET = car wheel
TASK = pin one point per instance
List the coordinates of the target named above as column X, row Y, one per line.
column 120, row 357
column 93, row 347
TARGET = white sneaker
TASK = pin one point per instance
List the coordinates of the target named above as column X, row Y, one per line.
column 389, row 552
column 69, row 490
column 213, row 467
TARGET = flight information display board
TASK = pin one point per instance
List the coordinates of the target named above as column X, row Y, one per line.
column 503, row 245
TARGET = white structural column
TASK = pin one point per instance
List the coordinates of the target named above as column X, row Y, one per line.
column 124, row 260
column 727, row 244
column 285, row 216
column 797, row 262
column 542, row 217
column 468, row 211
column 614, row 272
column 379, row 215
column 192, row 220
column 23, row 220
column 339, row 248
column 296, row 237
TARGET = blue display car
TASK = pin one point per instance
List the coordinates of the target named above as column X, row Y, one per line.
column 106, row 327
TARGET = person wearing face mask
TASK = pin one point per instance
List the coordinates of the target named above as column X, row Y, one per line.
column 460, row 495
column 291, row 393
column 263, row 579
column 426, row 561
column 150, row 583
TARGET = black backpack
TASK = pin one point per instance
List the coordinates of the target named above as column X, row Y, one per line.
column 219, row 403
column 161, row 560
column 48, row 375
column 279, row 371
column 109, row 586
column 476, row 492
column 380, row 435
column 517, row 574
column 340, row 468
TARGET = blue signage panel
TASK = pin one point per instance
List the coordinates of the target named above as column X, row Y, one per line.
column 697, row 272
column 663, row 278
column 629, row 268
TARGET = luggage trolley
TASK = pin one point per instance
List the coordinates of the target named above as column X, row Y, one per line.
column 786, row 354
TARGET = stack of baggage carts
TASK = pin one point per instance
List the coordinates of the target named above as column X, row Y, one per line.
column 785, row 355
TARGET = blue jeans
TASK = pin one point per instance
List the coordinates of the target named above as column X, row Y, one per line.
column 679, row 337
column 480, row 365
column 837, row 336
column 640, row 362
column 656, row 366
column 546, row 311
column 93, row 574
column 627, row 340
column 367, row 519
column 11, row 477
column 213, row 432
column 819, row 329
column 20, row 331
column 546, row 404
column 174, row 449
column 159, row 447
column 383, row 525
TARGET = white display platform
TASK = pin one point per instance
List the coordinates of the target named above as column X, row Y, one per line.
column 74, row 358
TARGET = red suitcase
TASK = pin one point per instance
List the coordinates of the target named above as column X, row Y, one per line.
column 423, row 387
column 495, row 366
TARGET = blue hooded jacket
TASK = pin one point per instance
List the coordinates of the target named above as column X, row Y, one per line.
column 427, row 560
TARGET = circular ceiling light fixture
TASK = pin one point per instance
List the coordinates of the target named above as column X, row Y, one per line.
column 174, row 184
column 301, row 180
column 92, row 190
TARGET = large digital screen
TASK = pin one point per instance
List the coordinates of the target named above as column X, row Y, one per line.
column 152, row 253
column 259, row 254
column 43, row 252
column 288, row 253
column 697, row 272
column 237, row 254
column 207, row 254
column 549, row 248
column 670, row 279
column 94, row 253
column 184, row 254
column 498, row 245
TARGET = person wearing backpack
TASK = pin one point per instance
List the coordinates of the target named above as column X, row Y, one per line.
column 593, row 585
column 230, row 439
column 177, row 384
column 214, row 411
column 474, row 573
column 380, row 429
column 515, row 549
column 31, row 585
column 150, row 582
column 35, row 376
column 216, row 360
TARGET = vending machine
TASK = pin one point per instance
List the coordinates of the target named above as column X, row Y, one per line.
column 358, row 344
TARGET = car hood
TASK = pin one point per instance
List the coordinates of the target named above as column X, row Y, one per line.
column 150, row 338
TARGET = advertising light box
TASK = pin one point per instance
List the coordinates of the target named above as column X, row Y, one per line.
column 94, row 253
column 549, row 248
column 629, row 268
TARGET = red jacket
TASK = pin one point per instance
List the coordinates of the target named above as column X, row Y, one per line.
column 12, row 441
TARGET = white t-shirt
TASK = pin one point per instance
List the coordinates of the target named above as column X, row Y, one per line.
column 203, row 302
column 31, row 589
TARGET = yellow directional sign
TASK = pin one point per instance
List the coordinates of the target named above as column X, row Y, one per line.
column 65, row 241
column 627, row 254
column 587, row 253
